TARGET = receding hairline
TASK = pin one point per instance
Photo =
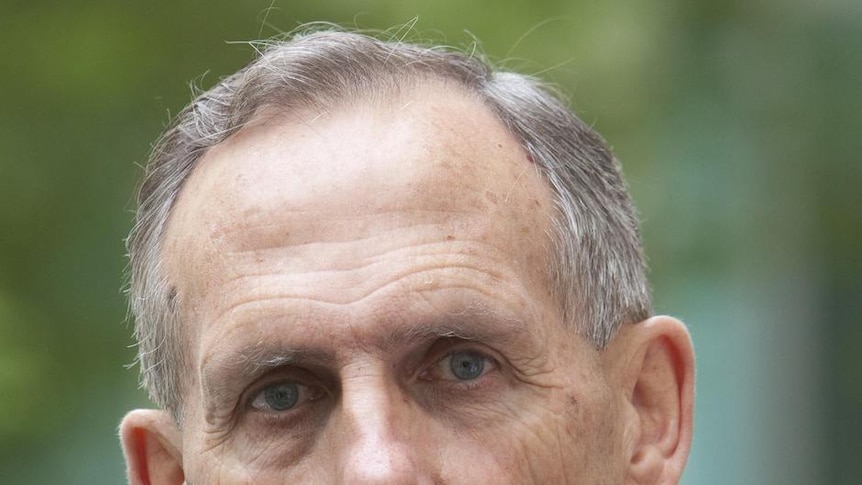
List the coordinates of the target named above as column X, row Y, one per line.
column 375, row 96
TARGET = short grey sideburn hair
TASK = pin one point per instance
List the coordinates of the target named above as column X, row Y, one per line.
column 597, row 267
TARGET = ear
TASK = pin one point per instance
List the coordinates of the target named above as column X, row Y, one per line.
column 659, row 385
column 151, row 445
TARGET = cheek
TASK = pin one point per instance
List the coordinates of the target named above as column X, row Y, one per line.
column 573, row 439
column 593, row 434
column 559, row 442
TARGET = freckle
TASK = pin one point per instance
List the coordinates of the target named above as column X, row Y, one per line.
column 449, row 237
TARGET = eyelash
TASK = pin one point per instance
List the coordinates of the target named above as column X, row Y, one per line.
column 317, row 392
column 304, row 391
column 440, row 364
column 439, row 359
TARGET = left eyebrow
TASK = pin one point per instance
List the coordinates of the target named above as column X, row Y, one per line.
column 484, row 327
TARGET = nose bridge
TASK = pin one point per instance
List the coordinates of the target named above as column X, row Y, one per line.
column 377, row 436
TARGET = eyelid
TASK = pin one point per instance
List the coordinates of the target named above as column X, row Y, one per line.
column 445, row 348
column 301, row 377
column 307, row 393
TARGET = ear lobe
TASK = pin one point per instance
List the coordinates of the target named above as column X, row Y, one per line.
column 663, row 400
column 151, row 445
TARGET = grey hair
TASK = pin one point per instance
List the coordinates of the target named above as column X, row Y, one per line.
column 597, row 266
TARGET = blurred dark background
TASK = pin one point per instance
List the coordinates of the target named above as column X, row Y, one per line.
column 739, row 124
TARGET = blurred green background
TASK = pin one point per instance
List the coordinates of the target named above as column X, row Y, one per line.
column 739, row 124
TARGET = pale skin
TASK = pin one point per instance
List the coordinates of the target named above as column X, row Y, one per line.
column 365, row 299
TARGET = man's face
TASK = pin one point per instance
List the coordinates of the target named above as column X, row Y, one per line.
column 364, row 296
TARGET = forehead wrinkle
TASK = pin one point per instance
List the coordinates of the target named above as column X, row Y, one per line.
column 366, row 277
column 259, row 232
column 381, row 289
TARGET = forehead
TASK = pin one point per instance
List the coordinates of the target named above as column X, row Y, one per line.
column 432, row 148
column 429, row 157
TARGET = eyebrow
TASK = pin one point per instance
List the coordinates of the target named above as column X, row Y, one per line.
column 485, row 328
column 226, row 374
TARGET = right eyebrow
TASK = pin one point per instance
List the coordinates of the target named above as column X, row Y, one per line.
column 225, row 375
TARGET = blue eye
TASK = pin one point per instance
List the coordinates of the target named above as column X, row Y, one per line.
column 466, row 365
column 278, row 397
